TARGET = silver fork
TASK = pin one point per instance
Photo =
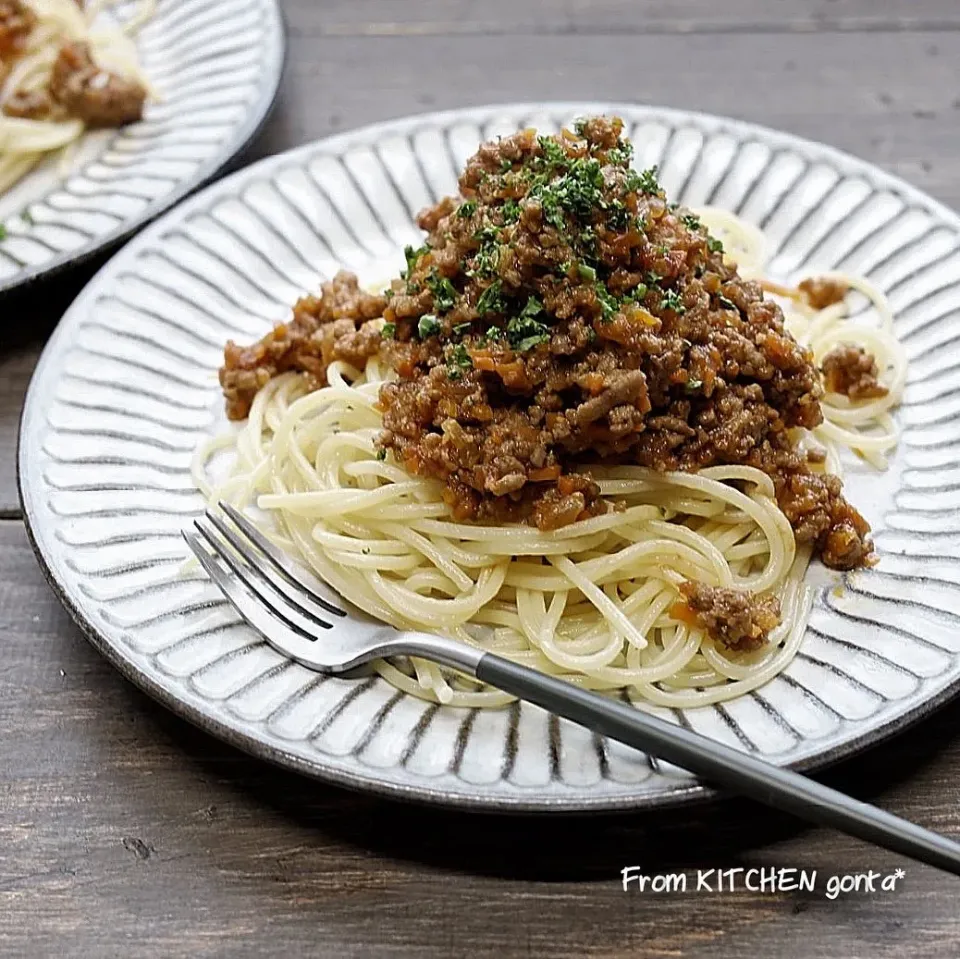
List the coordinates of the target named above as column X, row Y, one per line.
column 305, row 620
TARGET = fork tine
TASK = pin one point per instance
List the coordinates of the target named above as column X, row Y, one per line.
column 282, row 564
column 259, row 586
column 301, row 601
column 269, row 623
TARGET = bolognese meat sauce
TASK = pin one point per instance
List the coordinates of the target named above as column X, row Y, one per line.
column 561, row 312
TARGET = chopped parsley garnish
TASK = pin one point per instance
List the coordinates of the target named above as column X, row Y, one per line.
column 577, row 192
column 412, row 255
column 725, row 303
column 487, row 257
column 524, row 332
column 467, row 209
column 714, row 245
column 461, row 329
column 491, row 300
column 388, row 331
column 586, row 272
column 621, row 155
column 381, row 454
column 619, row 217
column 533, row 307
column 511, row 211
column 672, row 300
column 429, row 325
column 645, row 182
column 27, row 217
column 388, row 294
column 553, row 153
column 652, row 278
column 690, row 221
column 3, row 232
column 693, row 385
column 505, row 166
column 588, row 238
column 608, row 302
column 444, row 292
column 458, row 362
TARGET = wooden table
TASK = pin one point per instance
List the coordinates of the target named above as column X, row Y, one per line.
column 124, row 831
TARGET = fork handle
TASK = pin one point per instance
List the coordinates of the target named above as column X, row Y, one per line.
column 720, row 764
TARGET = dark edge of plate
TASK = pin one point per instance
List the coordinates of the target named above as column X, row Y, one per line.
column 31, row 277
column 684, row 795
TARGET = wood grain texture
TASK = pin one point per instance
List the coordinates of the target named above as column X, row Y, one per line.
column 124, row 831
column 26, row 320
column 584, row 17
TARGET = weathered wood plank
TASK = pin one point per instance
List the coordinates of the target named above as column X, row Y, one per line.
column 584, row 17
column 124, row 829
column 26, row 320
column 16, row 367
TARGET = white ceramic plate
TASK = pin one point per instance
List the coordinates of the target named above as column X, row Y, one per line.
column 127, row 387
column 216, row 67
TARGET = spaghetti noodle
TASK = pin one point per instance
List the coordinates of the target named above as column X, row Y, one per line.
column 589, row 602
column 571, row 432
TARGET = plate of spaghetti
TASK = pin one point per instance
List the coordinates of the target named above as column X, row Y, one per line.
column 655, row 402
column 111, row 110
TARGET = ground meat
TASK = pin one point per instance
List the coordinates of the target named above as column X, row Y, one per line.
column 852, row 371
column 340, row 324
column 16, row 22
column 98, row 97
column 823, row 291
column 736, row 618
column 813, row 502
column 32, row 105
column 562, row 313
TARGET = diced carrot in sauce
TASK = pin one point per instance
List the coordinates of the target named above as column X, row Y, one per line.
column 684, row 614
column 594, row 383
column 545, row 474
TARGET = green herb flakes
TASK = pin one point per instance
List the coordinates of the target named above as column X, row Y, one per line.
column 511, row 211
column 459, row 361
column 444, row 292
column 491, row 300
column 429, row 325
column 524, row 332
column 726, row 303
column 608, row 302
column 645, row 182
column 412, row 255
column 672, row 300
